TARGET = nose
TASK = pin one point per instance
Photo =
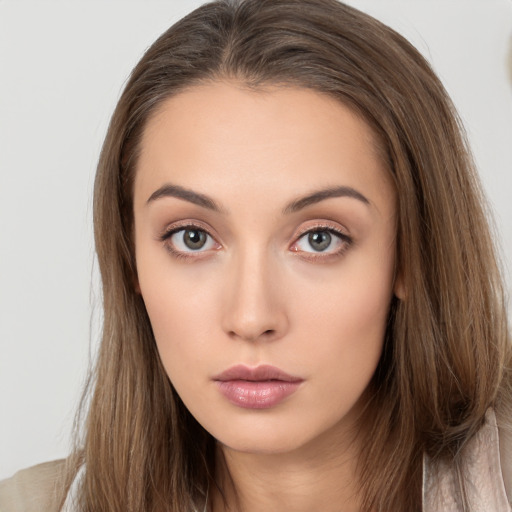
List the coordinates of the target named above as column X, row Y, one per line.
column 255, row 305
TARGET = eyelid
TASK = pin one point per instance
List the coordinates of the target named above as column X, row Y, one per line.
column 331, row 227
column 176, row 227
column 170, row 229
column 346, row 240
column 322, row 225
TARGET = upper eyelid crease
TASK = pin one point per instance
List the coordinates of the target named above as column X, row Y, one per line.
column 322, row 226
column 334, row 231
column 175, row 228
column 170, row 190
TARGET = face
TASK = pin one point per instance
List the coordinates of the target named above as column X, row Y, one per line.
column 264, row 237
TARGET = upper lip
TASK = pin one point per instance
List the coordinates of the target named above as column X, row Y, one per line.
column 259, row 373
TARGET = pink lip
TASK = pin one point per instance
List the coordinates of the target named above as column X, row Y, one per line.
column 256, row 388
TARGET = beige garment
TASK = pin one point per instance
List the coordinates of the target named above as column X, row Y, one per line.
column 33, row 489
column 486, row 461
column 487, row 470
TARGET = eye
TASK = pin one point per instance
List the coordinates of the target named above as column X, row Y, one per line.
column 322, row 240
column 189, row 239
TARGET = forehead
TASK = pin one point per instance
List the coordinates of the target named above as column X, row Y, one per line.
column 219, row 137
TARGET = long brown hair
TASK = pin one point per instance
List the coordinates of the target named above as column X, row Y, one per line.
column 446, row 354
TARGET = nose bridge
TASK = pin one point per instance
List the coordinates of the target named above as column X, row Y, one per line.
column 255, row 308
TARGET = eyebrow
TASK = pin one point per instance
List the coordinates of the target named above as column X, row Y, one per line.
column 186, row 194
column 323, row 194
column 203, row 200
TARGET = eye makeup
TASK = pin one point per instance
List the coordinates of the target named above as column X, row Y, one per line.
column 194, row 234
column 318, row 233
column 320, row 241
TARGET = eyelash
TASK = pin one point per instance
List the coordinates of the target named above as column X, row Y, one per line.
column 345, row 240
column 181, row 255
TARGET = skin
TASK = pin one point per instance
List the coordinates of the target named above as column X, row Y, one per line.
column 258, row 292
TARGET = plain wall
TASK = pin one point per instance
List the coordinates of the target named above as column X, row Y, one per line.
column 62, row 67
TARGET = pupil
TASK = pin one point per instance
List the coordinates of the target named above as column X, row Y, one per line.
column 194, row 239
column 319, row 240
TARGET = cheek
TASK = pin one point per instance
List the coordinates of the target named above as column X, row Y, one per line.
column 344, row 321
column 176, row 310
column 353, row 297
column 182, row 315
column 181, row 305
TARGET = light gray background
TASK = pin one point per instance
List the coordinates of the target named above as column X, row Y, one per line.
column 62, row 66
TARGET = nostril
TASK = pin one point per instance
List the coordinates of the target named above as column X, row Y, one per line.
column 263, row 335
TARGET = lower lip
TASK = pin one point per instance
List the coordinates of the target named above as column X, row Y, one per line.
column 257, row 394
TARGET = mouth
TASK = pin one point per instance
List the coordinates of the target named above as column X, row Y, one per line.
column 262, row 387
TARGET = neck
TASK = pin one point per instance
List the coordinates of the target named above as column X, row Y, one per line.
column 318, row 476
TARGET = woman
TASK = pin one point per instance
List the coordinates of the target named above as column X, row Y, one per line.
column 302, row 309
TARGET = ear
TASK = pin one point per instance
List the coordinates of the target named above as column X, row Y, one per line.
column 399, row 287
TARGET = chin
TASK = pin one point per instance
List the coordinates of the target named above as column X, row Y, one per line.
column 268, row 435
column 264, row 445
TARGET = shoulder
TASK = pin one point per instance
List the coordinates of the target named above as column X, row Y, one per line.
column 33, row 489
